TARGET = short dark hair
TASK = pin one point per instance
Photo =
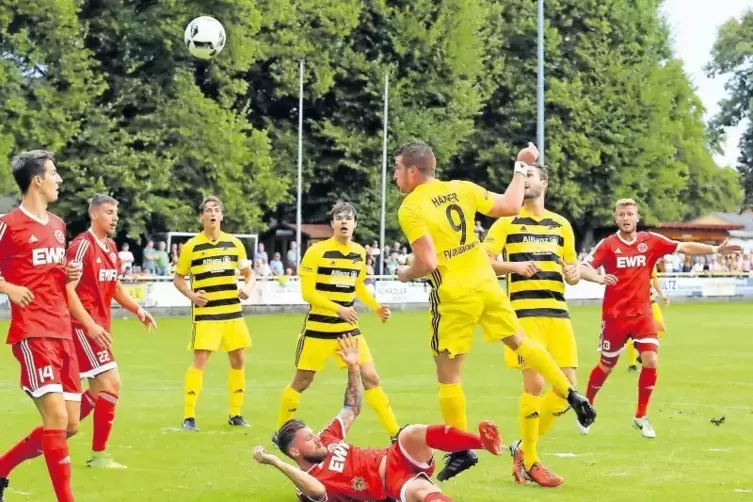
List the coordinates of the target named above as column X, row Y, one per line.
column 284, row 437
column 419, row 154
column 342, row 207
column 543, row 171
column 26, row 165
column 99, row 199
column 211, row 198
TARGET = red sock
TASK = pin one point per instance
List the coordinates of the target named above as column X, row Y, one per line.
column 646, row 383
column 595, row 381
column 104, row 415
column 26, row 449
column 55, row 448
column 437, row 497
column 87, row 405
column 450, row 439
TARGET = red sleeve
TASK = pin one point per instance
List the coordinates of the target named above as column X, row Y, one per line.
column 5, row 244
column 662, row 245
column 333, row 433
column 78, row 251
column 598, row 254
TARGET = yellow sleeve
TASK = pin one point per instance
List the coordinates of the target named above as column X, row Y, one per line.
column 654, row 274
column 362, row 292
column 414, row 227
column 568, row 246
column 481, row 197
column 307, row 273
column 243, row 262
column 184, row 260
column 496, row 237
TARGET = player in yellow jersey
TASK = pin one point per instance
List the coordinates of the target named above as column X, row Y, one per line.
column 632, row 354
column 438, row 217
column 538, row 248
column 332, row 276
column 211, row 259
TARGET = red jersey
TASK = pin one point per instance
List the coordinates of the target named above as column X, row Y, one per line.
column 348, row 473
column 632, row 263
column 99, row 275
column 32, row 255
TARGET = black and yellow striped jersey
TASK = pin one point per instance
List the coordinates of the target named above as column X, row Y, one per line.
column 331, row 272
column 543, row 240
column 212, row 266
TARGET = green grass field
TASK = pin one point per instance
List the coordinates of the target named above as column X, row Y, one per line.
column 706, row 372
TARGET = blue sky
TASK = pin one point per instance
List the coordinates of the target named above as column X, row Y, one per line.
column 694, row 32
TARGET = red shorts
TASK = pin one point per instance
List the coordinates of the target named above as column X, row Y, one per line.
column 615, row 333
column 92, row 359
column 48, row 365
column 401, row 470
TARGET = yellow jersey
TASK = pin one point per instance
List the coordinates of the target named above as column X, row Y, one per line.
column 543, row 240
column 212, row 266
column 332, row 271
column 446, row 211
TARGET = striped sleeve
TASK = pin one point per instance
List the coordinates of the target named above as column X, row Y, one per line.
column 4, row 245
column 78, row 251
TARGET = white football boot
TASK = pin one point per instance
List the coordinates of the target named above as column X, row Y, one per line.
column 643, row 425
column 583, row 430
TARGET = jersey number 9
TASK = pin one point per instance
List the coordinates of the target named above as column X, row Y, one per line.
column 461, row 227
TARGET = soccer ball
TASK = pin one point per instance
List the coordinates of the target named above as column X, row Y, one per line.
column 204, row 37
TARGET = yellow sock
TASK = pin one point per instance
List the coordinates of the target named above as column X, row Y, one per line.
column 452, row 404
column 236, row 387
column 631, row 354
column 288, row 405
column 539, row 359
column 379, row 402
column 552, row 408
column 194, row 380
column 530, row 411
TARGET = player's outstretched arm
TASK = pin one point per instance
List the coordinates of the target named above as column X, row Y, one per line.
column 307, row 484
column 510, row 202
column 588, row 273
column 125, row 300
column 700, row 249
column 350, row 355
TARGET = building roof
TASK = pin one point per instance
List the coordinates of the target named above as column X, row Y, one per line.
column 745, row 220
column 692, row 225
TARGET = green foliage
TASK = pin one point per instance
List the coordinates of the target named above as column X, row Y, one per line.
column 110, row 86
column 732, row 56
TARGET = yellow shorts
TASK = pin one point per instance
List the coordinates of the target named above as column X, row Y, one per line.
column 658, row 318
column 220, row 335
column 451, row 323
column 555, row 334
column 312, row 354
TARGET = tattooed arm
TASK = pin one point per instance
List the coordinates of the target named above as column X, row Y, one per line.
column 354, row 391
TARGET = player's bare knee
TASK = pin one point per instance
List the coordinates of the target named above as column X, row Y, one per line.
column 302, row 380
column 514, row 341
column 55, row 417
column 533, row 383
column 369, row 377
column 449, row 369
column 237, row 359
column 649, row 359
column 72, row 428
column 108, row 381
column 421, row 490
column 200, row 359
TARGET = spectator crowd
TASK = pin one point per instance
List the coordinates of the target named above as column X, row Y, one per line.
column 157, row 261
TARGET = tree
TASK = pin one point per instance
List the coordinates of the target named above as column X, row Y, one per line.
column 166, row 133
column 47, row 78
column 732, row 55
column 433, row 54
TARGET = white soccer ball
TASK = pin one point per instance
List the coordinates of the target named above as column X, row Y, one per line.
column 204, row 37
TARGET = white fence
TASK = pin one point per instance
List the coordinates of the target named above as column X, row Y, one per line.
column 160, row 292
column 287, row 290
